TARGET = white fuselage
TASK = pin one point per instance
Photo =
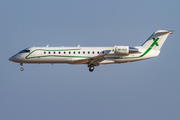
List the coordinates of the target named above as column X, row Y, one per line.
column 69, row 54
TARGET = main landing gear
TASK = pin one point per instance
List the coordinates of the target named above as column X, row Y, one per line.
column 21, row 67
column 91, row 68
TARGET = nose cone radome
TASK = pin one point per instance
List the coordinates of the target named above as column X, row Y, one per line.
column 14, row 58
column 11, row 59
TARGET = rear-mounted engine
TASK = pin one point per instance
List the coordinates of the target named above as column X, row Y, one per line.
column 125, row 50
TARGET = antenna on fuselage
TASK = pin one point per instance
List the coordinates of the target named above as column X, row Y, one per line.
column 78, row 45
column 47, row 46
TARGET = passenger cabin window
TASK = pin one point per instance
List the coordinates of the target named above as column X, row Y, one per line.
column 24, row 51
column 49, row 52
column 79, row 52
column 98, row 52
column 93, row 52
column 59, row 52
column 83, row 52
column 54, row 52
column 64, row 52
column 44, row 52
column 69, row 52
column 74, row 52
column 88, row 52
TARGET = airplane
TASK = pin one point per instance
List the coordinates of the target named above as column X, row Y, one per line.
column 93, row 56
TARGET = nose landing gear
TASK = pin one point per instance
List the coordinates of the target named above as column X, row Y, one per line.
column 21, row 67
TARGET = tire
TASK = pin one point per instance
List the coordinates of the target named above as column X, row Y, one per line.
column 21, row 69
column 91, row 68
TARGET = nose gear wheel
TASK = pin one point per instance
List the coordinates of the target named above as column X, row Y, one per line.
column 21, row 67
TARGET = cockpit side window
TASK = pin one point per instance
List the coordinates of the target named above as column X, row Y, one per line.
column 25, row 51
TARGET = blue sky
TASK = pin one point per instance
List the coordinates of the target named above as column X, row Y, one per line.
column 142, row 90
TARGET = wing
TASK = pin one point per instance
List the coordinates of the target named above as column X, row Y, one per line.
column 94, row 60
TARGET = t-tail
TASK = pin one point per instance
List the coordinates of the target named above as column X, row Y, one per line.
column 157, row 39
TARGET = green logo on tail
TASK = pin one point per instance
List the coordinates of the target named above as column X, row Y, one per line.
column 155, row 41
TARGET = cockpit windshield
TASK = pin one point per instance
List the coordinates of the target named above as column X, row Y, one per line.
column 24, row 51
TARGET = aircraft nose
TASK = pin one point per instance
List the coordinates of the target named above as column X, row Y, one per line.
column 14, row 58
column 11, row 58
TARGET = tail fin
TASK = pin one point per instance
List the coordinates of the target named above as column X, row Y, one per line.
column 157, row 39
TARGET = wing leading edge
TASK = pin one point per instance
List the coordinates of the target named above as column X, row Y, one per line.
column 95, row 61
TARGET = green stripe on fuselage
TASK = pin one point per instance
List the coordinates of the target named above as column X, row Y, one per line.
column 27, row 57
column 152, row 45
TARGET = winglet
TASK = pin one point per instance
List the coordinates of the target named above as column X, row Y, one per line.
column 113, row 50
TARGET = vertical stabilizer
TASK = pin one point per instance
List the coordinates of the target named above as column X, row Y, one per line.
column 157, row 39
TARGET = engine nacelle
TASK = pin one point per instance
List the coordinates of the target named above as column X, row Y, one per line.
column 123, row 50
